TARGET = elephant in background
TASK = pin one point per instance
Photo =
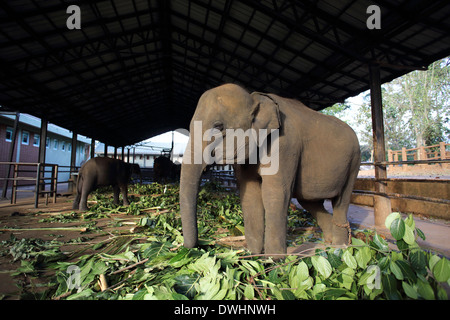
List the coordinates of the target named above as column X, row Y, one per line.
column 165, row 170
column 103, row 171
column 318, row 155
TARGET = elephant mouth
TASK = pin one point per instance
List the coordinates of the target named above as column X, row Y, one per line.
column 232, row 156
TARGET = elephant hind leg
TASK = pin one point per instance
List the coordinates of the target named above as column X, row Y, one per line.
column 341, row 203
column 322, row 216
column 76, row 202
column 124, row 191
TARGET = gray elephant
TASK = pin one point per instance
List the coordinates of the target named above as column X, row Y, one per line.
column 100, row 171
column 318, row 158
column 164, row 170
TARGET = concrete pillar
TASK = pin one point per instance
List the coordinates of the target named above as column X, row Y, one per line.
column 11, row 154
column 382, row 203
column 73, row 160
column 92, row 148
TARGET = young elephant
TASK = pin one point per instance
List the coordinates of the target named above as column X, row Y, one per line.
column 312, row 157
column 98, row 172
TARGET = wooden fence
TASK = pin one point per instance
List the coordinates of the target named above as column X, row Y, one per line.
column 435, row 152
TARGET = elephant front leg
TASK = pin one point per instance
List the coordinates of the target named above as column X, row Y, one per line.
column 252, row 207
column 276, row 201
column 116, row 191
column 124, row 190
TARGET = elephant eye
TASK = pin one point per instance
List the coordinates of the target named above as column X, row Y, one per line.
column 218, row 125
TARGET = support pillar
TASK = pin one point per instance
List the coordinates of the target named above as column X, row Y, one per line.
column 105, row 153
column 43, row 149
column 92, row 148
column 123, row 154
column 73, row 160
column 128, row 155
column 382, row 203
column 11, row 155
column 115, row 153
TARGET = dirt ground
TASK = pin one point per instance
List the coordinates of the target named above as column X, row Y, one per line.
column 25, row 217
column 23, row 221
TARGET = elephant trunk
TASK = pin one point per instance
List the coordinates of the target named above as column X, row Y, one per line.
column 190, row 175
column 189, row 182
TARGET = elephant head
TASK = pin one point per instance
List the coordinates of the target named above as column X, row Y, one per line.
column 221, row 110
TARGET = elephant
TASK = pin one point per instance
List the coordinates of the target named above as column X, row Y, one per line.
column 318, row 158
column 165, row 170
column 103, row 171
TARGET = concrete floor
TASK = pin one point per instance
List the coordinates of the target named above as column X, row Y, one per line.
column 437, row 232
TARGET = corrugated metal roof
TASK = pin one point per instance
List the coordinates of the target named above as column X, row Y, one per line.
column 137, row 68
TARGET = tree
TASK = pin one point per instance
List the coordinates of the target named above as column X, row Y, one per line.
column 416, row 109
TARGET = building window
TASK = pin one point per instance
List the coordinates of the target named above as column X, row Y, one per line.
column 47, row 142
column 63, row 146
column 70, row 147
column 55, row 144
column 25, row 137
column 9, row 134
column 37, row 139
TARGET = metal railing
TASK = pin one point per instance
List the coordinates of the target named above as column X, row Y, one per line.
column 39, row 180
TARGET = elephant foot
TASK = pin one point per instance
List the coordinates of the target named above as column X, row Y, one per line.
column 75, row 206
column 324, row 220
column 341, row 233
column 83, row 206
column 254, row 248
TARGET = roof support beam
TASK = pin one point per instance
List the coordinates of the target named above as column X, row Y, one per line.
column 382, row 204
column 166, row 36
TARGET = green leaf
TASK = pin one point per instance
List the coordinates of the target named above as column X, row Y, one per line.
column 420, row 233
column 287, row 295
column 407, row 272
column 441, row 270
column 390, row 286
column 418, row 261
column 184, row 284
column 83, row 295
column 398, row 229
column 349, row 259
column 334, row 260
column 409, row 290
column 395, row 269
column 322, row 266
column 409, row 221
column 346, row 278
column 249, row 292
column 298, row 274
column 379, row 243
column 358, row 242
column 425, row 290
column 363, row 257
column 390, row 218
column 402, row 246
column 409, row 237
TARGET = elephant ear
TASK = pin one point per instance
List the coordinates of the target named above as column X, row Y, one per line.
column 266, row 113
